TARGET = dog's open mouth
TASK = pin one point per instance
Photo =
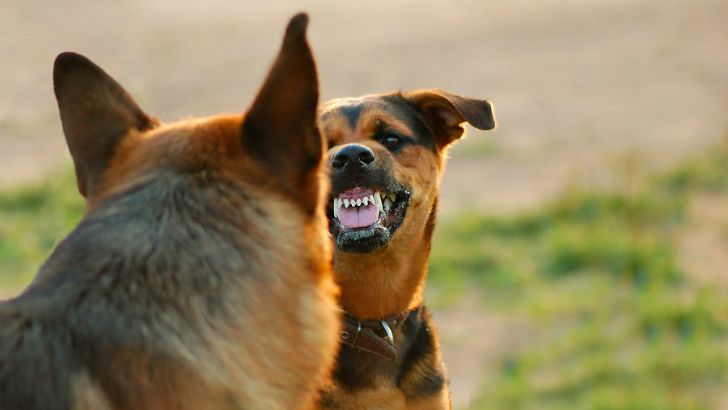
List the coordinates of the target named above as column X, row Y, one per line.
column 364, row 219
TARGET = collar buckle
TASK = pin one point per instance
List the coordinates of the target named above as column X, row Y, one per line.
column 388, row 330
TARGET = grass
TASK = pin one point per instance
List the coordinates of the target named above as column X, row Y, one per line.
column 617, row 322
column 32, row 221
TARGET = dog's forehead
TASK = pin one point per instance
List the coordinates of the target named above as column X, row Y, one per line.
column 198, row 140
column 368, row 114
column 351, row 109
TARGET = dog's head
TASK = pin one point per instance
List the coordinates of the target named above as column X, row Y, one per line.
column 275, row 146
column 387, row 154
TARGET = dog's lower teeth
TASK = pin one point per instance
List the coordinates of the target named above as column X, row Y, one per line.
column 387, row 204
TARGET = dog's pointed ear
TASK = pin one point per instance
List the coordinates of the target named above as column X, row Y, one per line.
column 444, row 112
column 96, row 113
column 280, row 130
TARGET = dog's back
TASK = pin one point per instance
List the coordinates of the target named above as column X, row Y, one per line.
column 200, row 276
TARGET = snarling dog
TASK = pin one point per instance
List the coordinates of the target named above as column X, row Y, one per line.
column 387, row 155
column 200, row 276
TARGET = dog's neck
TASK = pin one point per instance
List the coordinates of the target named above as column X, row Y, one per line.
column 147, row 238
column 387, row 281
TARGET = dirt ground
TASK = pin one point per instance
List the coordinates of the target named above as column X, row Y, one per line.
column 581, row 87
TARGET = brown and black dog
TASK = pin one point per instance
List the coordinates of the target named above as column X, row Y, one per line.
column 200, row 276
column 387, row 155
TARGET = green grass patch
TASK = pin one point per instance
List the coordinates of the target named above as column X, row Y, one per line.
column 624, row 237
column 618, row 324
column 705, row 173
column 32, row 221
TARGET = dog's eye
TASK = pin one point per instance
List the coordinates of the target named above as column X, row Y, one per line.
column 393, row 142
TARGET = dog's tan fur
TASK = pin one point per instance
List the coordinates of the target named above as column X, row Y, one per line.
column 200, row 276
column 390, row 279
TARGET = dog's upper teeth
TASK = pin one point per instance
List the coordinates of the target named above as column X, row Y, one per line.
column 377, row 199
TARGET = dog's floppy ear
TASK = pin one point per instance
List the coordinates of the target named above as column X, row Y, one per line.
column 96, row 113
column 444, row 112
column 280, row 129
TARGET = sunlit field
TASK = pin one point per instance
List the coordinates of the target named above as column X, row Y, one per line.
column 617, row 318
column 614, row 315
column 580, row 259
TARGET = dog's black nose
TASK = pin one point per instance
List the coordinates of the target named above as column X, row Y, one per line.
column 352, row 155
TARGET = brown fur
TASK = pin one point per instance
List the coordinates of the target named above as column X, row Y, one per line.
column 390, row 279
column 200, row 276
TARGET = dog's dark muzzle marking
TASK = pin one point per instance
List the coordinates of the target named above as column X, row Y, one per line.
column 367, row 239
column 355, row 168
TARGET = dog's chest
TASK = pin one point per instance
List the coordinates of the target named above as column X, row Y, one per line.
column 383, row 396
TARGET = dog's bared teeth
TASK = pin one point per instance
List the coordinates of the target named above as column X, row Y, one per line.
column 366, row 201
column 337, row 204
column 387, row 204
column 371, row 199
column 358, row 202
column 346, row 203
column 377, row 199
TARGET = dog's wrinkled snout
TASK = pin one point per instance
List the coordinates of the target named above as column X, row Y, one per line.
column 352, row 157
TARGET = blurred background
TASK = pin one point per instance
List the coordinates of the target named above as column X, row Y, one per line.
column 581, row 260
